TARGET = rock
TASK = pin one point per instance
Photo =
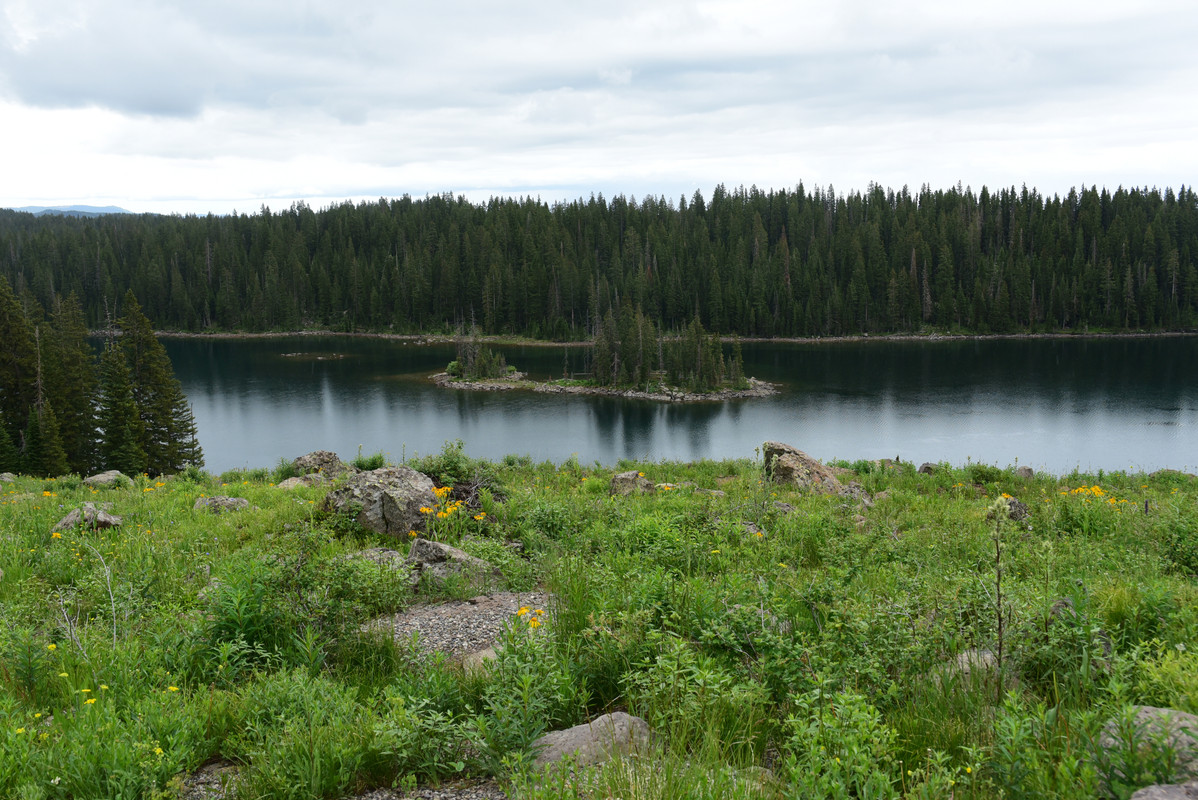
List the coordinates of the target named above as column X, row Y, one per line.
column 631, row 482
column 440, row 561
column 790, row 466
column 386, row 500
column 882, row 495
column 859, row 520
column 1025, row 472
column 784, row 508
column 311, row 479
column 1017, row 511
column 220, row 504
column 8, row 477
column 477, row 660
column 594, row 742
column 927, row 468
column 383, row 556
column 975, row 667
column 90, row 517
column 1175, row 791
column 215, row 781
column 712, row 492
column 750, row 528
column 112, row 477
column 1156, row 728
column 323, row 461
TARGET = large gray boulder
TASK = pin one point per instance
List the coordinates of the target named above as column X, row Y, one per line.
column 323, row 461
column 1150, row 728
column 594, row 742
column 1173, row 791
column 90, row 516
column 439, row 562
column 790, row 466
column 631, row 482
column 220, row 504
column 112, row 477
column 7, row 477
column 386, row 500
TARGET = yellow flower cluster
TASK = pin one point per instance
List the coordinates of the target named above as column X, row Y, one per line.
column 533, row 617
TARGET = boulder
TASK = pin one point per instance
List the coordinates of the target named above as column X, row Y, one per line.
column 792, row 467
column 311, row 479
column 631, row 482
column 383, row 556
column 8, row 477
column 220, row 504
column 476, row 661
column 784, row 508
column 323, row 461
column 112, row 477
column 439, row 562
column 1155, row 728
column 1174, row 791
column 90, row 516
column 1025, row 472
column 386, row 500
column 975, row 667
column 927, row 468
column 1017, row 511
column 594, row 742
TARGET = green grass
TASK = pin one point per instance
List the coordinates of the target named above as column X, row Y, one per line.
column 132, row 656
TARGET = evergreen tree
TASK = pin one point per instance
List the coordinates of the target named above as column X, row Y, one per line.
column 43, row 456
column 120, row 424
column 10, row 457
column 168, row 432
column 70, row 379
column 18, row 364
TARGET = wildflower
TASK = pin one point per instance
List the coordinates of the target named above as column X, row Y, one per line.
column 969, row 770
column 84, row 691
column 534, row 622
column 781, row 565
column 104, row 686
column 89, row 701
column 480, row 516
column 20, row 730
column 716, row 551
column 157, row 751
column 37, row 715
column 522, row 612
column 640, row 474
column 172, row 688
column 47, row 494
column 412, row 534
column 51, row 646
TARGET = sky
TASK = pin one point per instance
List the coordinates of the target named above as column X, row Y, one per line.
column 215, row 106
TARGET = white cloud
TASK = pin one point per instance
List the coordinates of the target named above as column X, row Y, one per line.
column 159, row 105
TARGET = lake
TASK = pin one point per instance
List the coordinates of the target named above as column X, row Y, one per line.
column 1053, row 404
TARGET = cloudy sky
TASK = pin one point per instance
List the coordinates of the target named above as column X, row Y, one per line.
column 215, row 105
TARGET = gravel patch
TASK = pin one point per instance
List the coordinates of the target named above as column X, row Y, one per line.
column 453, row 790
column 461, row 627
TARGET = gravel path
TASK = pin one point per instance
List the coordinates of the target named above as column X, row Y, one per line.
column 453, row 790
column 461, row 627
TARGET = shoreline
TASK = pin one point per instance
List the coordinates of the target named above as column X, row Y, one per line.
column 515, row 341
column 757, row 388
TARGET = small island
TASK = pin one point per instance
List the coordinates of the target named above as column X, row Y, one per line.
column 630, row 360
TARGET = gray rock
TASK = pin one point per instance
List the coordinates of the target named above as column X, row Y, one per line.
column 112, row 477
column 220, row 504
column 8, row 477
column 323, row 461
column 311, row 479
column 712, row 492
column 1025, row 473
column 386, row 500
column 792, row 467
column 383, row 556
column 631, row 482
column 90, row 517
column 594, row 742
column 439, row 562
column 976, row 667
column 1017, row 511
column 784, row 508
column 1173, row 791
column 1156, row 728
column 927, row 468
column 477, row 660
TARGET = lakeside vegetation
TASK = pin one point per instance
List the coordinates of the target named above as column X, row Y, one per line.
column 797, row 262
column 811, row 638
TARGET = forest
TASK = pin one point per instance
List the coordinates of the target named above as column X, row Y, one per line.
column 747, row 262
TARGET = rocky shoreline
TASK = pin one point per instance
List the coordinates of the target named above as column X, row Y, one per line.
column 757, row 388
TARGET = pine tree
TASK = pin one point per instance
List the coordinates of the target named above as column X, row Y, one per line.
column 168, row 427
column 18, row 363
column 120, row 424
column 43, row 456
column 10, row 457
column 70, row 379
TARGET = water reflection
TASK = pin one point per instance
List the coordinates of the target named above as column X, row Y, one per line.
column 1054, row 404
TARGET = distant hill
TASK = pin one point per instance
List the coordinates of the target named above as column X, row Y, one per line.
column 74, row 211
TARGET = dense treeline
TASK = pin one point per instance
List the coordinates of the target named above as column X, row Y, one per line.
column 63, row 410
column 778, row 263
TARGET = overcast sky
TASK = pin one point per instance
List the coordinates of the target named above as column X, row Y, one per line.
column 215, row 105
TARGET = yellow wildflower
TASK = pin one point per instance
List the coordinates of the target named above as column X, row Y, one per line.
column 522, row 612
column 20, row 730
column 535, row 622
column 51, row 646
column 89, row 701
column 172, row 688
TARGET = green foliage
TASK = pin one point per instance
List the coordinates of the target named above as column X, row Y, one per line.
column 373, row 461
column 452, row 466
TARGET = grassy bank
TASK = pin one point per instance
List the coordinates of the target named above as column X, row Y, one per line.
column 809, row 638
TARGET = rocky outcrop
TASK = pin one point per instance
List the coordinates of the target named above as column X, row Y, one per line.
column 311, row 479
column 91, row 515
column 926, row 468
column 1173, row 791
column 324, row 462
column 112, row 477
column 220, row 504
column 631, row 482
column 594, row 742
column 1156, row 728
column 439, row 562
column 790, row 466
column 386, row 500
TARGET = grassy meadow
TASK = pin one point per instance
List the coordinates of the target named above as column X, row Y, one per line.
column 776, row 652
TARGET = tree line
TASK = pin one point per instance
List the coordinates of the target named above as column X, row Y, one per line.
column 64, row 410
column 792, row 262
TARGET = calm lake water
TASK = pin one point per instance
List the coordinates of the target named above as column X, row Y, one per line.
column 1054, row 404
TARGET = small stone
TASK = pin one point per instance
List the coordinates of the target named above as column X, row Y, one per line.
column 594, row 742
column 220, row 504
